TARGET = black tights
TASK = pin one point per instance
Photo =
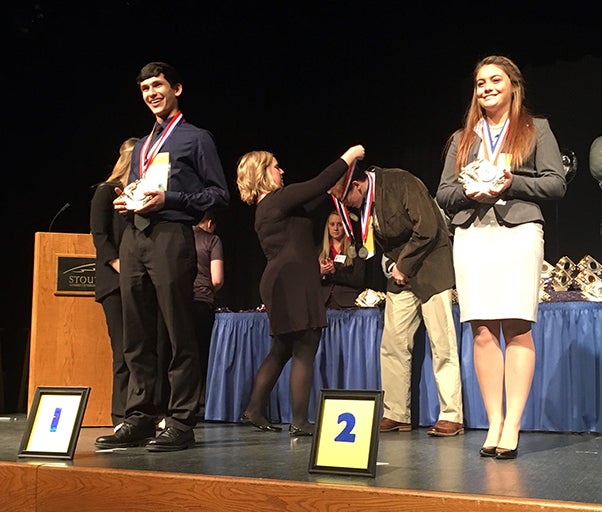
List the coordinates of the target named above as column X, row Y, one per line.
column 301, row 346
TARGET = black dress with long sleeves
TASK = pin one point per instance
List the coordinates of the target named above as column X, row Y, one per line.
column 290, row 285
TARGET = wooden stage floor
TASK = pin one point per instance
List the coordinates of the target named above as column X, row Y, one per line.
column 237, row 468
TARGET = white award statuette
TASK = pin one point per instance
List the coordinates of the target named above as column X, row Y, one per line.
column 480, row 175
column 155, row 178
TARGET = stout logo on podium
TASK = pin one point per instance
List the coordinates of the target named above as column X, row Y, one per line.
column 75, row 275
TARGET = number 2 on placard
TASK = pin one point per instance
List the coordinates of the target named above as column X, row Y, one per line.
column 346, row 436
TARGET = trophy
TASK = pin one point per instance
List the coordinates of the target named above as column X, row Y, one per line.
column 133, row 195
column 155, row 178
column 593, row 291
column 480, row 176
column 370, row 298
column 565, row 263
column 587, row 262
column 562, row 280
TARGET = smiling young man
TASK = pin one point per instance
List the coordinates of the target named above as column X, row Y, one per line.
column 182, row 177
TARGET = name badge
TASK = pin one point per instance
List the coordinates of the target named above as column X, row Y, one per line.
column 340, row 258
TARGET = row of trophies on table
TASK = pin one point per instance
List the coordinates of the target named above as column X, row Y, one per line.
column 584, row 277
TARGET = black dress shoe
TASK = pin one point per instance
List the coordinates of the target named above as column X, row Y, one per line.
column 171, row 439
column 126, row 435
column 504, row 454
column 296, row 431
column 261, row 424
column 488, row 451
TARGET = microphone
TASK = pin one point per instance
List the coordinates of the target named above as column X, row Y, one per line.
column 63, row 208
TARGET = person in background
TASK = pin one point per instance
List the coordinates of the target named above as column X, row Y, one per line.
column 290, row 285
column 410, row 229
column 107, row 226
column 209, row 279
column 341, row 269
column 498, row 237
column 179, row 174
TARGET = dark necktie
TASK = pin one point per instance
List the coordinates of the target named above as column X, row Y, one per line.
column 140, row 221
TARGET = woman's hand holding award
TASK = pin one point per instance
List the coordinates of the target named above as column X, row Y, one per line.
column 481, row 176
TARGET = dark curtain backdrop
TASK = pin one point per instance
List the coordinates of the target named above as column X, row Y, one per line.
column 304, row 82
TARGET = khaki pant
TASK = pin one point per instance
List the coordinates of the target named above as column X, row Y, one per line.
column 403, row 312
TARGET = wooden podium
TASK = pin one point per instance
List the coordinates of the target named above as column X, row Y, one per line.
column 70, row 345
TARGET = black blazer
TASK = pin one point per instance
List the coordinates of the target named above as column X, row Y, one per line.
column 342, row 288
column 106, row 226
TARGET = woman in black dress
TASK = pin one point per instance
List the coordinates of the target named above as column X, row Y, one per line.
column 290, row 285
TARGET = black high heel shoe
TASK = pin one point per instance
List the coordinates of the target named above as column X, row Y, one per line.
column 504, row 454
column 263, row 426
column 488, row 451
column 296, row 431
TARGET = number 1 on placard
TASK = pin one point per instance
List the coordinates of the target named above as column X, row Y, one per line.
column 55, row 419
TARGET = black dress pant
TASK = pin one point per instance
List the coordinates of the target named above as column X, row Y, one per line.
column 158, row 267
column 111, row 306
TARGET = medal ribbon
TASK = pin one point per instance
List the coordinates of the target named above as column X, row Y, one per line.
column 348, row 179
column 366, row 220
column 345, row 219
column 491, row 149
column 146, row 156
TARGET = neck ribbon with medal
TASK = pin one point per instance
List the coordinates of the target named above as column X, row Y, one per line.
column 367, row 249
column 147, row 155
column 492, row 149
column 153, row 172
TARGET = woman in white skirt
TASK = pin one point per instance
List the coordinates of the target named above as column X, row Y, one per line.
column 515, row 163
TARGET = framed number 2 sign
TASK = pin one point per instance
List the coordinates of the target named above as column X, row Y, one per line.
column 346, row 433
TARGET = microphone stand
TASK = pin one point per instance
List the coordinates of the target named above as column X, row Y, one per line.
column 63, row 208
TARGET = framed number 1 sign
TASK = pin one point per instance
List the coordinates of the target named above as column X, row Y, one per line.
column 346, row 433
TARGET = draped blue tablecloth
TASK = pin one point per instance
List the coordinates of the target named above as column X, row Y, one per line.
column 566, row 395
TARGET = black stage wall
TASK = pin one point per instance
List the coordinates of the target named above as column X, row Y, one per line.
column 304, row 82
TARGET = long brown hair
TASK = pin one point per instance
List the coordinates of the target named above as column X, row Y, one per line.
column 521, row 132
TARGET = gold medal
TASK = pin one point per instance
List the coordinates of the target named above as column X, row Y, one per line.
column 351, row 252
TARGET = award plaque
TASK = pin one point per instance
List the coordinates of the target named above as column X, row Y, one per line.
column 133, row 195
column 155, row 178
column 480, row 175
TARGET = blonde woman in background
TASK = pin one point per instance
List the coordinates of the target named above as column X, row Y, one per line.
column 107, row 228
column 343, row 273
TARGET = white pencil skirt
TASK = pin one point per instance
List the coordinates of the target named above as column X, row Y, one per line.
column 498, row 270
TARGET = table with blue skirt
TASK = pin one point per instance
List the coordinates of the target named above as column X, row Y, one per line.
column 566, row 395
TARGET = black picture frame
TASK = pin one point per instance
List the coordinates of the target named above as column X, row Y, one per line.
column 54, row 422
column 346, row 432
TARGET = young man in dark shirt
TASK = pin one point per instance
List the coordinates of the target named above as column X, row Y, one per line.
column 178, row 176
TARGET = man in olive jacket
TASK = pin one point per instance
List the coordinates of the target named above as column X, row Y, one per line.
column 417, row 259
